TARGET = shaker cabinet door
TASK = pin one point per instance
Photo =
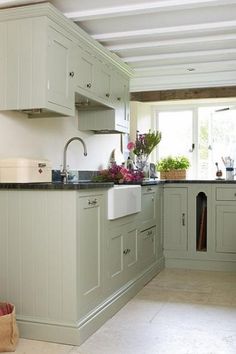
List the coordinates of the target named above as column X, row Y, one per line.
column 90, row 252
column 59, row 69
column 226, row 228
column 175, row 219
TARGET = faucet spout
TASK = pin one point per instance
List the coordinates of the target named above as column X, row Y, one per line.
column 64, row 172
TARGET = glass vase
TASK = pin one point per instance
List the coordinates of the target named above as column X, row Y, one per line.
column 141, row 163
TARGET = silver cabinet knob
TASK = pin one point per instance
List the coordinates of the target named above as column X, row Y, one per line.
column 71, row 74
column 89, row 85
column 92, row 202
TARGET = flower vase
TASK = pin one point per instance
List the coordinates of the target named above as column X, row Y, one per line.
column 141, row 163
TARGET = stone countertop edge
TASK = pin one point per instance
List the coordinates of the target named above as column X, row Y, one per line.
column 200, row 181
column 57, row 186
column 105, row 185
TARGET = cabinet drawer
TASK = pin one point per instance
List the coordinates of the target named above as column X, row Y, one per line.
column 226, row 194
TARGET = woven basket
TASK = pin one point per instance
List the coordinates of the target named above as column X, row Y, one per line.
column 174, row 174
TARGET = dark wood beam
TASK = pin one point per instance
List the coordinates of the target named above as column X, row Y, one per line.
column 184, row 94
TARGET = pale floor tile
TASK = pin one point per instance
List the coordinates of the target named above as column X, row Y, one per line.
column 178, row 312
column 38, row 347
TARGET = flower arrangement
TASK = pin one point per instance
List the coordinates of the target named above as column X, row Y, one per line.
column 119, row 174
column 145, row 143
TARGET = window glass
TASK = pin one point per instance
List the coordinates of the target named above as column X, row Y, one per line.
column 204, row 134
column 177, row 134
column 217, row 127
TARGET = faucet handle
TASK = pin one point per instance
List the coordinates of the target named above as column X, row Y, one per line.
column 64, row 174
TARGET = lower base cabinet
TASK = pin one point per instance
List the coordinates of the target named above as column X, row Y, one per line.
column 122, row 255
column 226, row 228
column 65, row 266
column 90, row 250
column 175, row 219
column 199, row 226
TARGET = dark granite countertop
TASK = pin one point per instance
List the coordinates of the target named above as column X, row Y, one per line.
column 85, row 184
column 201, row 181
column 58, row 185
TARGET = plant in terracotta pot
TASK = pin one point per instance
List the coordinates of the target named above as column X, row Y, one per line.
column 173, row 167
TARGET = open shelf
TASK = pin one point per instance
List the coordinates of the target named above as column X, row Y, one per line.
column 201, row 222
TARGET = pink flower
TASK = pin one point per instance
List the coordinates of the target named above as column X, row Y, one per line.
column 130, row 145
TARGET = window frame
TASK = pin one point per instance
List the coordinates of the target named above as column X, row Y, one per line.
column 194, row 107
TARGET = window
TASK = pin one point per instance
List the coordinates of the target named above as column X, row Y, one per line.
column 204, row 134
column 177, row 133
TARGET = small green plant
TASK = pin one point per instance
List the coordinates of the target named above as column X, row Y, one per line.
column 170, row 163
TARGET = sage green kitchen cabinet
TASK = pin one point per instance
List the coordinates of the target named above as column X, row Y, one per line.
column 47, row 64
column 114, row 116
column 90, row 248
column 92, row 76
column 150, row 238
column 120, row 99
column 65, row 266
column 134, row 242
column 148, row 215
column 225, row 220
column 35, row 65
column 148, row 247
column 103, row 81
column 226, row 228
column 122, row 254
column 84, row 70
column 51, row 257
column 175, row 220
column 195, row 210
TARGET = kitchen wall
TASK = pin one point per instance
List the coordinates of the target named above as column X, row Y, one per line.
column 141, row 118
column 45, row 138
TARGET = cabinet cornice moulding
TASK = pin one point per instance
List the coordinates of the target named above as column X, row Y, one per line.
column 49, row 11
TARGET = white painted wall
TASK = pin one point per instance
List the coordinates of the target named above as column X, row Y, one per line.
column 45, row 138
column 141, row 118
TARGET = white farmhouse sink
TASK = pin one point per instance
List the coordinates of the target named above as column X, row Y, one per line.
column 123, row 200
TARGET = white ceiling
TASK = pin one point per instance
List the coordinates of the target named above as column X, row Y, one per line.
column 170, row 44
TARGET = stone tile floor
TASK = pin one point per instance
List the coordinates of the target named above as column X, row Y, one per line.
column 178, row 312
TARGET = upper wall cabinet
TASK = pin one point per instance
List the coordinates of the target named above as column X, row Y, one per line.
column 47, row 64
column 35, row 67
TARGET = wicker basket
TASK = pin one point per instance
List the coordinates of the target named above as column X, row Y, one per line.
column 174, row 174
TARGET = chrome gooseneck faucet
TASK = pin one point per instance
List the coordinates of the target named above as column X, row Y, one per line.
column 64, row 172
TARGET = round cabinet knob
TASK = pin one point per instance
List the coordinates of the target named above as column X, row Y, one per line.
column 72, row 74
column 89, row 85
column 107, row 95
column 118, row 99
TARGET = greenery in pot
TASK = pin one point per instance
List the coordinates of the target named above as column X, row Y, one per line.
column 171, row 163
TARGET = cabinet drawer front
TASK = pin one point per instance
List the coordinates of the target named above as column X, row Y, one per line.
column 226, row 194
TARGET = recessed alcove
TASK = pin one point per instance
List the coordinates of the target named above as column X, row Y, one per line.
column 201, row 222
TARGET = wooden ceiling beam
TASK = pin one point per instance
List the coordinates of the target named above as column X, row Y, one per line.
column 184, row 94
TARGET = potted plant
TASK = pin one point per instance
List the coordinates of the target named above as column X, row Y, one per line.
column 173, row 167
